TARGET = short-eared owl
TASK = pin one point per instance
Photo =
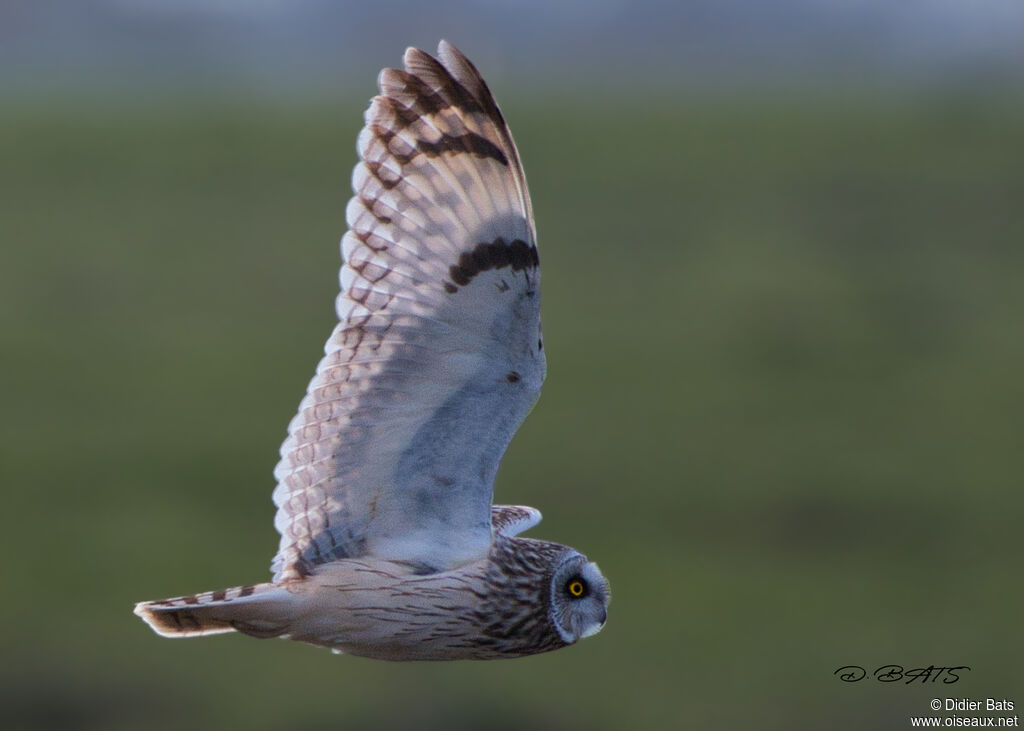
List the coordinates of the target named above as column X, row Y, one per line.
column 390, row 547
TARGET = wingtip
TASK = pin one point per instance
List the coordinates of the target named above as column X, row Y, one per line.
column 447, row 55
column 414, row 56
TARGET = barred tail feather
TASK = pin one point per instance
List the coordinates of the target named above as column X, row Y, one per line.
column 263, row 610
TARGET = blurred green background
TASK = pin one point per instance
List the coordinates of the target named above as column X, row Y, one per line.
column 784, row 409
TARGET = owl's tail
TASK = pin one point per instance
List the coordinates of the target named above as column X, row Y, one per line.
column 263, row 610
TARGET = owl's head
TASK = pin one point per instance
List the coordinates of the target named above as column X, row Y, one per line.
column 579, row 598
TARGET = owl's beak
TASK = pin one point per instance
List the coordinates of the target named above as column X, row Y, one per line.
column 596, row 626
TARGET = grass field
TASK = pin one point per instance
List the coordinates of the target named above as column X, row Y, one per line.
column 784, row 409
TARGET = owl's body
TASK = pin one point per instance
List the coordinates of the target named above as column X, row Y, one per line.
column 390, row 547
column 491, row 608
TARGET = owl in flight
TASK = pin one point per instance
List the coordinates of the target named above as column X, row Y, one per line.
column 390, row 546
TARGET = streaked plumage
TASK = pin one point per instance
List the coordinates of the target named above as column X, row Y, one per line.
column 390, row 546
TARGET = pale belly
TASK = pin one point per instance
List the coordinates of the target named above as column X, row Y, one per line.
column 379, row 609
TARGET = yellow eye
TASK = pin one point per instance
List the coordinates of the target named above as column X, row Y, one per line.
column 576, row 588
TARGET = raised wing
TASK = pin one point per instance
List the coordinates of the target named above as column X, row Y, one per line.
column 511, row 520
column 437, row 357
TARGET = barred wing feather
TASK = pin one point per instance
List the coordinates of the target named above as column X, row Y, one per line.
column 437, row 357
